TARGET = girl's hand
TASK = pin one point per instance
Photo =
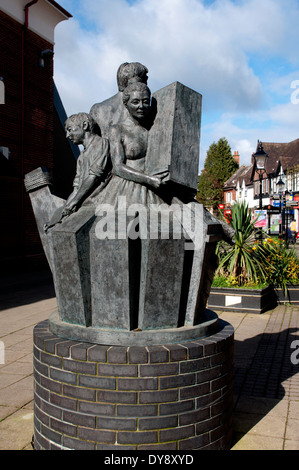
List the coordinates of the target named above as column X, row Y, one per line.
column 69, row 208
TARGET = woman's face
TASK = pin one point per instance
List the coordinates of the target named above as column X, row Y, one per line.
column 139, row 104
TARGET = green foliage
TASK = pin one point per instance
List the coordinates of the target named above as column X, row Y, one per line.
column 219, row 166
column 281, row 264
column 230, row 281
column 241, row 259
column 253, row 264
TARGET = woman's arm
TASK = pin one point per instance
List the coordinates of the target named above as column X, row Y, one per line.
column 128, row 173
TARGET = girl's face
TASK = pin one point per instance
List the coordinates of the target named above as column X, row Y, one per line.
column 74, row 132
column 139, row 104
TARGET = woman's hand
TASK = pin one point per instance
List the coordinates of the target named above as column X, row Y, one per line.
column 158, row 180
column 155, row 181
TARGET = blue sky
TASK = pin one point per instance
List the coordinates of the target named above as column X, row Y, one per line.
column 241, row 55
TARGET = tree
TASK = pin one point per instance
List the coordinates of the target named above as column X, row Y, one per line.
column 219, row 166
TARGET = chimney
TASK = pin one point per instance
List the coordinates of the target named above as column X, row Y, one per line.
column 236, row 156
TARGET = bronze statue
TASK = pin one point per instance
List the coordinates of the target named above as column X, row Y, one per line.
column 93, row 164
column 128, row 148
column 143, row 149
column 111, row 111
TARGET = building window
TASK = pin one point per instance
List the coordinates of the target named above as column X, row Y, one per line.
column 256, row 185
column 265, row 186
column 294, row 182
column 2, row 91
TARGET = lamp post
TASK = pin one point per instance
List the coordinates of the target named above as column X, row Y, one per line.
column 260, row 158
column 286, row 217
column 280, row 186
column 283, row 210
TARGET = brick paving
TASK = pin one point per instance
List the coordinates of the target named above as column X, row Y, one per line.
column 266, row 383
column 271, row 373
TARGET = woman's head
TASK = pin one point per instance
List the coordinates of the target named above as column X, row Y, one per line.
column 137, row 99
column 127, row 71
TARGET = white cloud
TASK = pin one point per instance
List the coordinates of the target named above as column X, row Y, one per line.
column 276, row 124
column 224, row 126
column 210, row 48
column 177, row 39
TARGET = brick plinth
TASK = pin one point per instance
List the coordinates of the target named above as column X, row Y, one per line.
column 170, row 397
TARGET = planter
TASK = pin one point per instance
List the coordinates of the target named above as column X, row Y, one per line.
column 291, row 297
column 242, row 300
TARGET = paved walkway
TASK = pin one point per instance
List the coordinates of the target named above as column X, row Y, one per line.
column 266, row 415
column 266, row 383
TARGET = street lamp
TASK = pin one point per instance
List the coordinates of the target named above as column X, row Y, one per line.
column 260, row 158
column 286, row 233
column 280, row 186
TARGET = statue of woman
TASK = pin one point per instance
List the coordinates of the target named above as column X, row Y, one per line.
column 128, row 146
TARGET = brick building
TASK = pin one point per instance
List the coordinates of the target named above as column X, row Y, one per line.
column 239, row 186
column 282, row 164
column 32, row 117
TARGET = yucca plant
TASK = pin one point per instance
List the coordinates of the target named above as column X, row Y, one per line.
column 241, row 259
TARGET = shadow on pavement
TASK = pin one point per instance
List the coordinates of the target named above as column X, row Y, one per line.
column 25, row 288
column 262, row 377
column 263, row 368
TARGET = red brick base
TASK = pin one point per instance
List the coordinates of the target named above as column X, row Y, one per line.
column 170, row 397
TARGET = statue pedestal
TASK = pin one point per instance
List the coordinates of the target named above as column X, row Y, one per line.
column 171, row 397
